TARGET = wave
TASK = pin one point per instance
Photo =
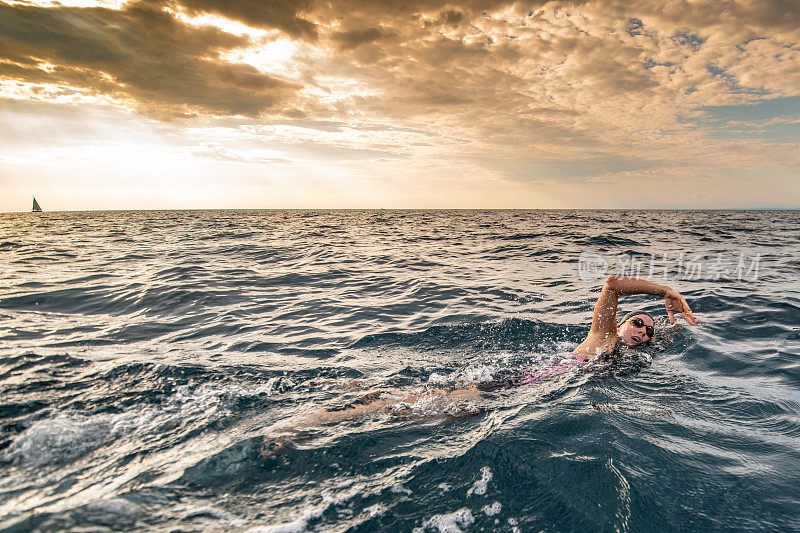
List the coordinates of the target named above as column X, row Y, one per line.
column 509, row 334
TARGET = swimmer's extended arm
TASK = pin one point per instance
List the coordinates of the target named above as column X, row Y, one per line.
column 603, row 334
column 604, row 321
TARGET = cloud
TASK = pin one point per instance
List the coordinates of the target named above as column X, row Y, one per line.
column 283, row 15
column 219, row 152
column 504, row 84
column 141, row 53
column 348, row 40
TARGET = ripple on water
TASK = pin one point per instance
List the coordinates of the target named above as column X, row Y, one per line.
column 148, row 357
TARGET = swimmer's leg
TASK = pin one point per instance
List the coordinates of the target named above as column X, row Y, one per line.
column 470, row 393
column 393, row 402
column 286, row 432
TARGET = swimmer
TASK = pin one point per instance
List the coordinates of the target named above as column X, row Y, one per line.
column 636, row 329
column 601, row 345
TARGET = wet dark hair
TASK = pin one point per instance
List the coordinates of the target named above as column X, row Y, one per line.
column 637, row 313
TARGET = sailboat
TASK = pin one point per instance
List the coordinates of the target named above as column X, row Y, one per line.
column 36, row 207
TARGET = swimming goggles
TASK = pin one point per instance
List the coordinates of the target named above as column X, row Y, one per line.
column 638, row 322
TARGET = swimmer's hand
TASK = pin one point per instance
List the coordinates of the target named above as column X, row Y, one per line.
column 673, row 301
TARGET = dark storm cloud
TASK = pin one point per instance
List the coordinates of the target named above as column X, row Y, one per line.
column 141, row 52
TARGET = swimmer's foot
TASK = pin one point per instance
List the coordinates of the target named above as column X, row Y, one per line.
column 272, row 447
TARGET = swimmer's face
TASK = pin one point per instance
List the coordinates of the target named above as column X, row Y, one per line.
column 633, row 335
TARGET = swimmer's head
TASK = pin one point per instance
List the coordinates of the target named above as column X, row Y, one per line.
column 636, row 328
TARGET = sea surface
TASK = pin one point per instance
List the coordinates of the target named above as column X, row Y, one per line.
column 289, row 371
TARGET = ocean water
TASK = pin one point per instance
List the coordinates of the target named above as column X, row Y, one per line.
column 202, row 371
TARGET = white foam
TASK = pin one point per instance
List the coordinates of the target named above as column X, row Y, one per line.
column 55, row 440
column 448, row 523
column 480, row 486
column 333, row 498
column 296, row 526
column 66, row 437
column 492, row 510
column 481, row 374
column 375, row 510
column 215, row 513
column 397, row 488
column 433, row 405
column 345, row 484
column 329, row 498
column 115, row 506
column 276, row 385
column 464, row 377
column 438, row 379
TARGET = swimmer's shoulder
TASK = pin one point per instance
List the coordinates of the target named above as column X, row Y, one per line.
column 597, row 346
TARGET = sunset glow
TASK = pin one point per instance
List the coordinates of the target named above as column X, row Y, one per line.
column 201, row 103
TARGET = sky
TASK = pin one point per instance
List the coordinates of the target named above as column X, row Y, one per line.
column 183, row 104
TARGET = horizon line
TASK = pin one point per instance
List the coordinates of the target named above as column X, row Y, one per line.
column 751, row 208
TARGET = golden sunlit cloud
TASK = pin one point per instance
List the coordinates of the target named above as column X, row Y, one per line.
column 535, row 103
column 110, row 4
